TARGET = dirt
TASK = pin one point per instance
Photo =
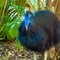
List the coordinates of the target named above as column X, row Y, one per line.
column 8, row 51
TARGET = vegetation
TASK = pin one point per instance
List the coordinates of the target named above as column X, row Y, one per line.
column 10, row 18
column 11, row 15
column 11, row 12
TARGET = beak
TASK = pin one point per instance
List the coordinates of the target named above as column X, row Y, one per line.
column 26, row 27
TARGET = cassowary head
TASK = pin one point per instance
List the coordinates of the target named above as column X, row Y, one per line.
column 27, row 19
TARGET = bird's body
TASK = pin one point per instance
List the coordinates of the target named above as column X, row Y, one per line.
column 41, row 33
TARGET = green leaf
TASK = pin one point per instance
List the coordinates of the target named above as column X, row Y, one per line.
column 19, row 46
column 2, row 38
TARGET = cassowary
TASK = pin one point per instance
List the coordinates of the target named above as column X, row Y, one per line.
column 41, row 32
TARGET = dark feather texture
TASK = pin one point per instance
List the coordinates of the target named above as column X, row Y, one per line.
column 42, row 31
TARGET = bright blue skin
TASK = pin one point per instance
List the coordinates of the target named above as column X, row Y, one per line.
column 26, row 19
column 27, row 16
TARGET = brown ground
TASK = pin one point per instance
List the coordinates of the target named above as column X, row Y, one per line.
column 8, row 51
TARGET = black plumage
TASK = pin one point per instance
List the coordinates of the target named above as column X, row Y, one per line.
column 41, row 33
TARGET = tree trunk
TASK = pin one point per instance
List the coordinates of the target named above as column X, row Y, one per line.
column 38, row 4
column 57, row 8
column 49, row 4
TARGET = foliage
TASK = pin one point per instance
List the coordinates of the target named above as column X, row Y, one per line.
column 8, row 56
column 1, row 6
column 20, row 2
column 19, row 46
column 11, row 20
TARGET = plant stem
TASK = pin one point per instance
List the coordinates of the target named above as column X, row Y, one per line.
column 3, row 13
